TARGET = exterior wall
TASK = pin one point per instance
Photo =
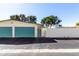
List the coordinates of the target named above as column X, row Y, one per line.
column 62, row 32
column 13, row 24
column 39, row 32
column 43, row 32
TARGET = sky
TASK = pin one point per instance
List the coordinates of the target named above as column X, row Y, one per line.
column 67, row 12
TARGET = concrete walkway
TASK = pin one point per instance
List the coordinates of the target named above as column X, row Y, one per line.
column 39, row 51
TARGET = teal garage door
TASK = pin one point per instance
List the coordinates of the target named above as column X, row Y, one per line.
column 24, row 32
column 5, row 31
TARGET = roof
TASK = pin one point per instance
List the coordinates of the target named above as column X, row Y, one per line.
column 8, row 22
column 18, row 21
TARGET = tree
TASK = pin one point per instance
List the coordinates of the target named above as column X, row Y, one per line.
column 77, row 24
column 32, row 19
column 14, row 17
column 22, row 17
column 50, row 20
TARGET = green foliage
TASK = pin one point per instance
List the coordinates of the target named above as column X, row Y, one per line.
column 15, row 17
column 77, row 24
column 50, row 20
column 32, row 18
column 22, row 17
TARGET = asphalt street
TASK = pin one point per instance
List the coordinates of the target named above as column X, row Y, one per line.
column 59, row 44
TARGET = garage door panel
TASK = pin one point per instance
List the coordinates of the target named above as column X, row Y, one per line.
column 24, row 31
column 5, row 31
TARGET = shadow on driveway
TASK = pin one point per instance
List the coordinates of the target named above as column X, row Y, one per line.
column 17, row 41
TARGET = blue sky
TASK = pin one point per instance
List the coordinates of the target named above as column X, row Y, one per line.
column 67, row 12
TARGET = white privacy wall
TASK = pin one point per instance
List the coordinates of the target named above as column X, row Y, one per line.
column 62, row 32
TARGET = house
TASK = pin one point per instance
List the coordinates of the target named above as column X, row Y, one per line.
column 13, row 28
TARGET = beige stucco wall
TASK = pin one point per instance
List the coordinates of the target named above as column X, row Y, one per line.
column 43, row 32
column 15, row 23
